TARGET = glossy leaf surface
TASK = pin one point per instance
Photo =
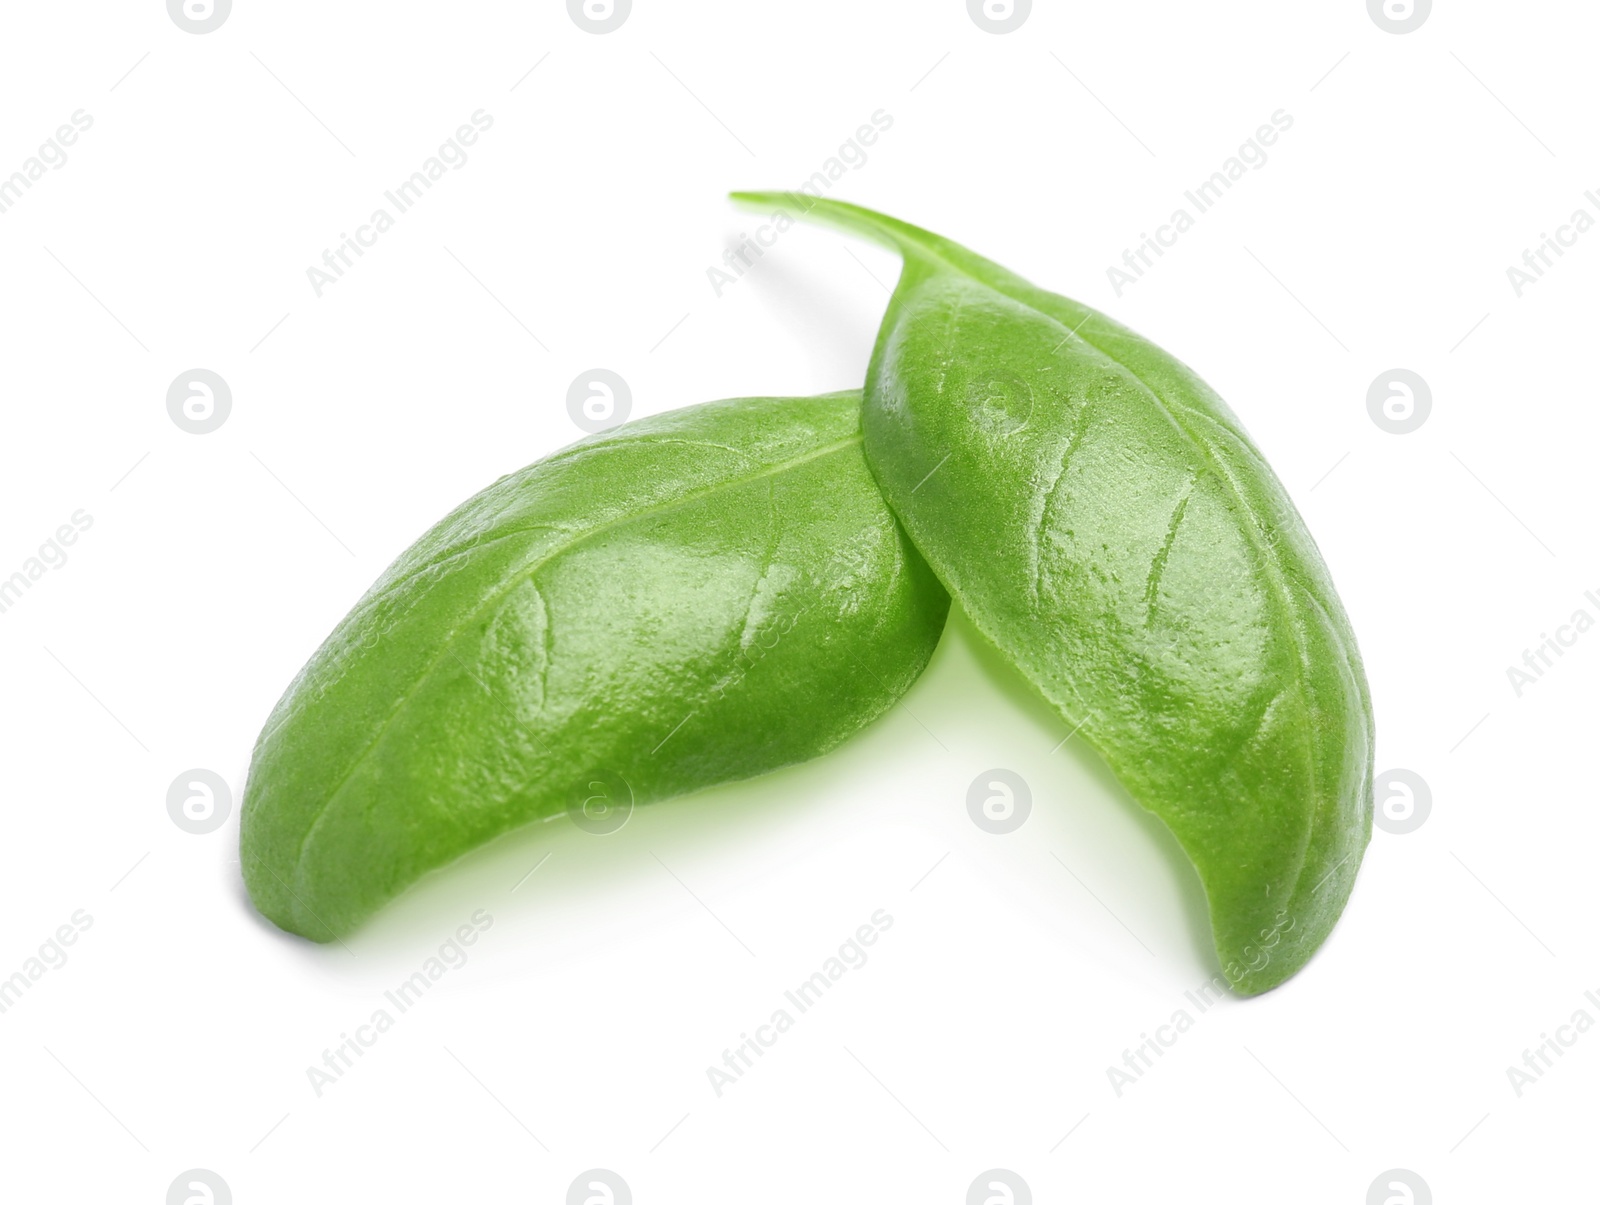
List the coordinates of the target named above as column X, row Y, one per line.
column 694, row 598
column 1107, row 523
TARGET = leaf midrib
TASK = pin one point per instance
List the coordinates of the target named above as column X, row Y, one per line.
column 1257, row 532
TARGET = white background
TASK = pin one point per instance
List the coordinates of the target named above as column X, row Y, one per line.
column 1018, row 968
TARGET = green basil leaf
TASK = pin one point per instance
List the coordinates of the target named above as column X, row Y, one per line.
column 1107, row 523
column 694, row 598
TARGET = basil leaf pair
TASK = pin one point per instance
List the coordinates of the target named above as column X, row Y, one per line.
column 1106, row 522
column 694, row 598
column 714, row 593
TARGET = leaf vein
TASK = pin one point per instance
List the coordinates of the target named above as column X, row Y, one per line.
column 449, row 641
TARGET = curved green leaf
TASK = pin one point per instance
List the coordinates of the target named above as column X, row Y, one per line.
column 691, row 599
column 1106, row 522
